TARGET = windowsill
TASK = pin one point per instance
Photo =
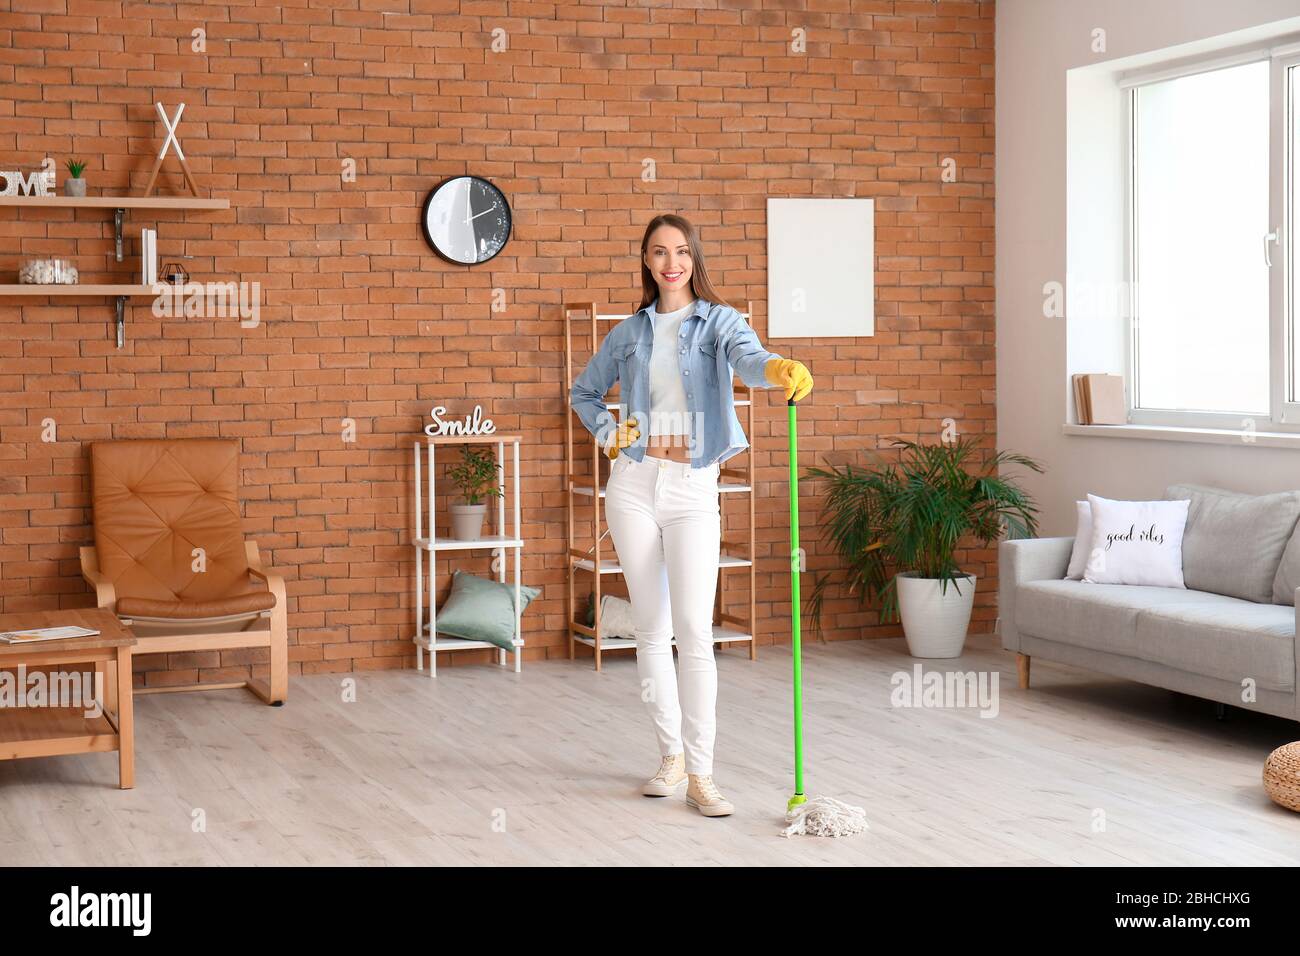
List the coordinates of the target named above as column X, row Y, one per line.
column 1211, row 436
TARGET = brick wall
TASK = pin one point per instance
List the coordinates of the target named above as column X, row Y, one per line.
column 360, row 320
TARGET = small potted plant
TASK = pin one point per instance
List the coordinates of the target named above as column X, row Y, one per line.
column 76, row 186
column 898, row 526
column 476, row 477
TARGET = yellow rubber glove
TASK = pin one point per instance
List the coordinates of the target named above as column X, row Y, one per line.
column 624, row 435
column 791, row 375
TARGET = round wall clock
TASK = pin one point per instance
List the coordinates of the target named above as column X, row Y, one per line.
column 466, row 220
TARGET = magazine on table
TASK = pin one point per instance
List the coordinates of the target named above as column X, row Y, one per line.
column 38, row 634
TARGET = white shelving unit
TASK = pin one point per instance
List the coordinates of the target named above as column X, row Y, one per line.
column 427, row 543
column 589, row 549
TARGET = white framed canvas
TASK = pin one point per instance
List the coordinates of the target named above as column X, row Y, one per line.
column 820, row 267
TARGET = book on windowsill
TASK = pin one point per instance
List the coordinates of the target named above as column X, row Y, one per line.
column 1099, row 399
column 38, row 634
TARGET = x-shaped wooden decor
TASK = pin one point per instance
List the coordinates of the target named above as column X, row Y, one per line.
column 169, row 141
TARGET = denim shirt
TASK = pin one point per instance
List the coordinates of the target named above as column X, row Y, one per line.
column 714, row 340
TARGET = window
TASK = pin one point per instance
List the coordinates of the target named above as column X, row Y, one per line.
column 1212, row 264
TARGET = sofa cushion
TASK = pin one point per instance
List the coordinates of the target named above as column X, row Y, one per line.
column 1195, row 631
column 1102, row 617
column 1082, row 541
column 1231, row 642
column 1136, row 542
column 1287, row 578
column 1233, row 543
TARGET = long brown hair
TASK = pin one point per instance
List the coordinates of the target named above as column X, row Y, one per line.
column 701, row 287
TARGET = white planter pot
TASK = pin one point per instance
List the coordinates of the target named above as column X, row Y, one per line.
column 934, row 620
column 467, row 521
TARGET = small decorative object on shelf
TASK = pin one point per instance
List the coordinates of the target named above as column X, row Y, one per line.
column 76, row 186
column 170, row 125
column 36, row 184
column 47, row 272
column 149, row 256
column 474, row 424
column 477, row 469
column 173, row 272
column 474, row 476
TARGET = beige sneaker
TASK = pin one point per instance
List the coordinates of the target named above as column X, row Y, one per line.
column 703, row 795
column 671, row 775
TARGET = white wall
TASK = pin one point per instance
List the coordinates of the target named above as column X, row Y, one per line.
column 1037, row 41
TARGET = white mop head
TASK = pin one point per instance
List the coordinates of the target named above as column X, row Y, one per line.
column 825, row 816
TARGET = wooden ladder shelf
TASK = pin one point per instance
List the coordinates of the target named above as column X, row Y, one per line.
column 588, row 552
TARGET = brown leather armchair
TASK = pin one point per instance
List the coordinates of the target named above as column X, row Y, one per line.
column 170, row 558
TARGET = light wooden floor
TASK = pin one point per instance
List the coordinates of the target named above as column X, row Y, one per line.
column 483, row 766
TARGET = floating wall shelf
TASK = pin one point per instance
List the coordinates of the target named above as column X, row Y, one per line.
column 33, row 290
column 117, row 202
column 120, row 293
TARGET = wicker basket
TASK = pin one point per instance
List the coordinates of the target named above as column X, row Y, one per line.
column 1282, row 776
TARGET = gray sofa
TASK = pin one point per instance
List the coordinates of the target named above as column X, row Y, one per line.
column 1233, row 629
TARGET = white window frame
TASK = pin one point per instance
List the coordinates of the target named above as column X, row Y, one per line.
column 1284, row 322
column 1282, row 174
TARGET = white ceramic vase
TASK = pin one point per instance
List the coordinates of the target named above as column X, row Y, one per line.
column 935, row 619
column 467, row 521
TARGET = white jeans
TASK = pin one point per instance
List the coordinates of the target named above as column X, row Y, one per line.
column 666, row 524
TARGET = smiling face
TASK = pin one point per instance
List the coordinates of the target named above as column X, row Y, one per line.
column 668, row 257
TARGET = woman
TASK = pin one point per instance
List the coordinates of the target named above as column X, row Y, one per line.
column 674, row 359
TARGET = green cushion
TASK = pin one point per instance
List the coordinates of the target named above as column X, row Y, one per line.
column 481, row 610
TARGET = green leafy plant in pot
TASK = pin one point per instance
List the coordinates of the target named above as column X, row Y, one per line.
column 476, row 476
column 76, row 186
column 898, row 525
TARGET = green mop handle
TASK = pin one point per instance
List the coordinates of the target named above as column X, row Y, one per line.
column 796, row 646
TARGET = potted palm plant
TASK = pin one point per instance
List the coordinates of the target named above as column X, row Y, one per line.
column 475, row 475
column 897, row 526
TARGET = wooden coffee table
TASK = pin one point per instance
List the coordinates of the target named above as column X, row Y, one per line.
column 53, row 731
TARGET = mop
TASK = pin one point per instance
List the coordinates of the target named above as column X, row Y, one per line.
column 820, row 816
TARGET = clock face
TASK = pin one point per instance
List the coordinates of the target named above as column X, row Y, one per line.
column 466, row 220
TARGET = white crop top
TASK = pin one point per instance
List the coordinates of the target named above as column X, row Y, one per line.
column 668, row 409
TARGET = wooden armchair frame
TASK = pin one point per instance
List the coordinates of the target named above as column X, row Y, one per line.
column 206, row 634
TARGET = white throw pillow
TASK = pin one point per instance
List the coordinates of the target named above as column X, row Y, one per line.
column 1082, row 541
column 616, row 617
column 1136, row 542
